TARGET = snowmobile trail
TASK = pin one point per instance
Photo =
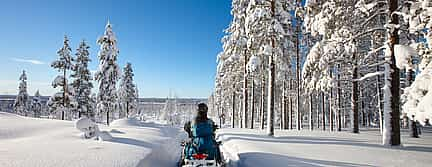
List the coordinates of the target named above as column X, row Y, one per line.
column 167, row 152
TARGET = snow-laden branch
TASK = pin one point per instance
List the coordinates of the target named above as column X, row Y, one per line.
column 381, row 11
column 370, row 53
column 369, row 75
column 365, row 32
column 376, row 64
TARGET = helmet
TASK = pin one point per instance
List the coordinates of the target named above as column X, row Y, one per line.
column 202, row 107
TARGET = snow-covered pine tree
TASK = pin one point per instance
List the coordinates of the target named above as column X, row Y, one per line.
column 36, row 105
column 81, row 83
column 62, row 101
column 346, row 39
column 230, row 69
column 21, row 102
column 127, row 91
column 415, row 97
column 108, row 73
column 265, row 34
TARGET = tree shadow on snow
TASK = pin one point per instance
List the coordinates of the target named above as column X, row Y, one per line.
column 275, row 160
column 316, row 140
column 116, row 131
column 130, row 141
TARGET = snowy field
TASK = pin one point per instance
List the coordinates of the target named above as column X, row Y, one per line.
column 42, row 142
column 54, row 143
column 252, row 148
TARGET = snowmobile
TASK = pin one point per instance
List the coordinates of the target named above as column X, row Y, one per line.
column 191, row 157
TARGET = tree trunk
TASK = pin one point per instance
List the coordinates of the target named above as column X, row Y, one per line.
column 379, row 94
column 253, row 105
column 233, row 110
column 262, row 110
column 330, row 110
column 410, row 79
column 298, row 75
column 107, row 116
column 64, row 94
column 270, row 100
column 392, row 114
column 318, row 111
column 339, row 98
column 330, row 107
column 354, row 100
column 323, row 111
column 291, row 108
column 414, row 129
column 310, row 112
column 245, row 94
column 282, row 125
column 127, row 109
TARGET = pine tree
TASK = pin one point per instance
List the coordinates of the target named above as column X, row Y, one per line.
column 36, row 105
column 416, row 95
column 265, row 34
column 81, row 83
column 21, row 101
column 128, row 91
column 62, row 101
column 108, row 72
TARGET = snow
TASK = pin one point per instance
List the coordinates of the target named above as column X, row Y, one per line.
column 266, row 50
column 404, row 54
column 51, row 143
column 369, row 75
column 87, row 126
column 58, row 81
column 418, row 97
column 250, row 148
column 253, row 63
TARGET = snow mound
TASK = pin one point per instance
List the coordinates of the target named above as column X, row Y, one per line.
column 126, row 122
column 87, row 126
column 91, row 130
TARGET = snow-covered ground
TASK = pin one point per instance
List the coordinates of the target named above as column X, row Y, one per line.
column 42, row 142
column 252, row 148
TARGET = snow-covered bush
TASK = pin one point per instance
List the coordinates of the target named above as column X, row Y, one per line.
column 88, row 127
column 91, row 130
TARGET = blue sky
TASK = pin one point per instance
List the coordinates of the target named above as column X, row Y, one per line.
column 172, row 44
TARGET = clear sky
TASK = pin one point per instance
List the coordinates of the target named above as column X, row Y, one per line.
column 172, row 44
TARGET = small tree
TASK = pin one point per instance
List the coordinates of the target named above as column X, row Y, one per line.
column 82, row 81
column 36, row 105
column 21, row 101
column 127, row 92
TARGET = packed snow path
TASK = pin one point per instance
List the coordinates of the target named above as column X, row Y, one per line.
column 42, row 142
column 252, row 148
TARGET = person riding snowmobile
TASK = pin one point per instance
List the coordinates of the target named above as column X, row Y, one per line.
column 201, row 131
